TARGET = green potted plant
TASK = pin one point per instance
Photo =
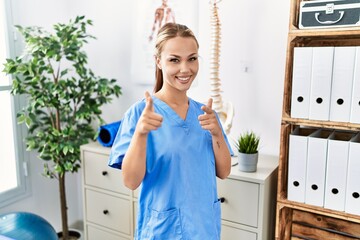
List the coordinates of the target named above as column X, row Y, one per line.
column 247, row 146
column 64, row 98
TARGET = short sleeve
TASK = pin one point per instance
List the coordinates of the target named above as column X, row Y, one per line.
column 124, row 136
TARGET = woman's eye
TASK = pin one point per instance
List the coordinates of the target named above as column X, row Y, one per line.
column 175, row 60
column 193, row 58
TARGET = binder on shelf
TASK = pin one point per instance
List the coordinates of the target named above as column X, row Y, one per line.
column 352, row 199
column 321, row 78
column 342, row 80
column 316, row 167
column 355, row 103
column 301, row 80
column 298, row 143
column 336, row 170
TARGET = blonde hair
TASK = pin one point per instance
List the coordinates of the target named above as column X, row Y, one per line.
column 166, row 32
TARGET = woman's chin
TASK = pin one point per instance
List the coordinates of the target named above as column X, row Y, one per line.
column 184, row 86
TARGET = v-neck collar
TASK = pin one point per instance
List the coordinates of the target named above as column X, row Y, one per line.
column 172, row 112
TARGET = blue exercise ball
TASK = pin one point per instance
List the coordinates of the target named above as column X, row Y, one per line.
column 26, row 226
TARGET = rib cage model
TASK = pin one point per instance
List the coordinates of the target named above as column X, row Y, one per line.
column 225, row 110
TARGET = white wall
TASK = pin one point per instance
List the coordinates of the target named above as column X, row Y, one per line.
column 254, row 33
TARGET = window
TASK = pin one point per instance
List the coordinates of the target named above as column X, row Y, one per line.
column 13, row 168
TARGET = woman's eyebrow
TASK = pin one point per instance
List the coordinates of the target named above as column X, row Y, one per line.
column 177, row 56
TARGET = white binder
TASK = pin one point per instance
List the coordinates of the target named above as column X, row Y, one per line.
column 298, row 142
column 301, row 80
column 321, row 78
column 336, row 170
column 355, row 103
column 342, row 80
column 316, row 167
column 352, row 199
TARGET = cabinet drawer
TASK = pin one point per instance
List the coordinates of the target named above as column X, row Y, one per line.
column 241, row 201
column 108, row 211
column 230, row 233
column 94, row 233
column 99, row 174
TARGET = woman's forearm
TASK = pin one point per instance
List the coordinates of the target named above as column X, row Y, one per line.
column 222, row 156
column 134, row 162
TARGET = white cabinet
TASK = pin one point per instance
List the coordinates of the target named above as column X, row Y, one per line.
column 110, row 208
column 108, row 204
column 249, row 201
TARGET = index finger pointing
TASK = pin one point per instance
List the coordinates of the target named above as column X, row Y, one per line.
column 208, row 107
column 209, row 104
column 149, row 101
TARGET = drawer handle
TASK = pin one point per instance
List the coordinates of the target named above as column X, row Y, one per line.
column 104, row 173
column 222, row 199
column 105, row 212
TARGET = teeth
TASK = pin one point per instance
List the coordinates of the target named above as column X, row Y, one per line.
column 183, row 78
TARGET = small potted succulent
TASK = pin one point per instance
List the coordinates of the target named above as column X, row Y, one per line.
column 247, row 146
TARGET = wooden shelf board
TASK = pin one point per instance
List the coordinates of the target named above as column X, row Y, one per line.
column 344, row 32
column 318, row 210
column 321, row 124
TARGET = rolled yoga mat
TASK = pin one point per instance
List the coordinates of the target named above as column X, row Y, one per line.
column 107, row 133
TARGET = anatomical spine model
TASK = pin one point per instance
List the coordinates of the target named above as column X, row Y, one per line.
column 225, row 110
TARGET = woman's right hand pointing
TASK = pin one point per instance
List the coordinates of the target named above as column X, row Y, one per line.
column 149, row 119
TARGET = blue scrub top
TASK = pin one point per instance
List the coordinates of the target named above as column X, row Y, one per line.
column 178, row 197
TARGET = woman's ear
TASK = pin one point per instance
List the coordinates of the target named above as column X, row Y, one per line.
column 157, row 61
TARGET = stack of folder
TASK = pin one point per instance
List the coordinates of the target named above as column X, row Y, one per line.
column 326, row 83
column 324, row 169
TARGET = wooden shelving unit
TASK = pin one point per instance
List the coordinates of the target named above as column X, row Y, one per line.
column 298, row 220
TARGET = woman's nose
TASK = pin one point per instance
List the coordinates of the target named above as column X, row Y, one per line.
column 184, row 68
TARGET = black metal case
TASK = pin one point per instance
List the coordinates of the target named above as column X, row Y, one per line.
column 329, row 14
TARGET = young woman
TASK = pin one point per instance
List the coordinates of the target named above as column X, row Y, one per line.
column 174, row 147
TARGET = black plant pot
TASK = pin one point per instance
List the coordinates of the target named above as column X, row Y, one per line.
column 73, row 234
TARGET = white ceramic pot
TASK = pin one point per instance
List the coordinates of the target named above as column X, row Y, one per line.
column 248, row 162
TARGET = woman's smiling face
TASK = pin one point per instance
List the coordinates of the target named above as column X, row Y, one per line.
column 179, row 63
